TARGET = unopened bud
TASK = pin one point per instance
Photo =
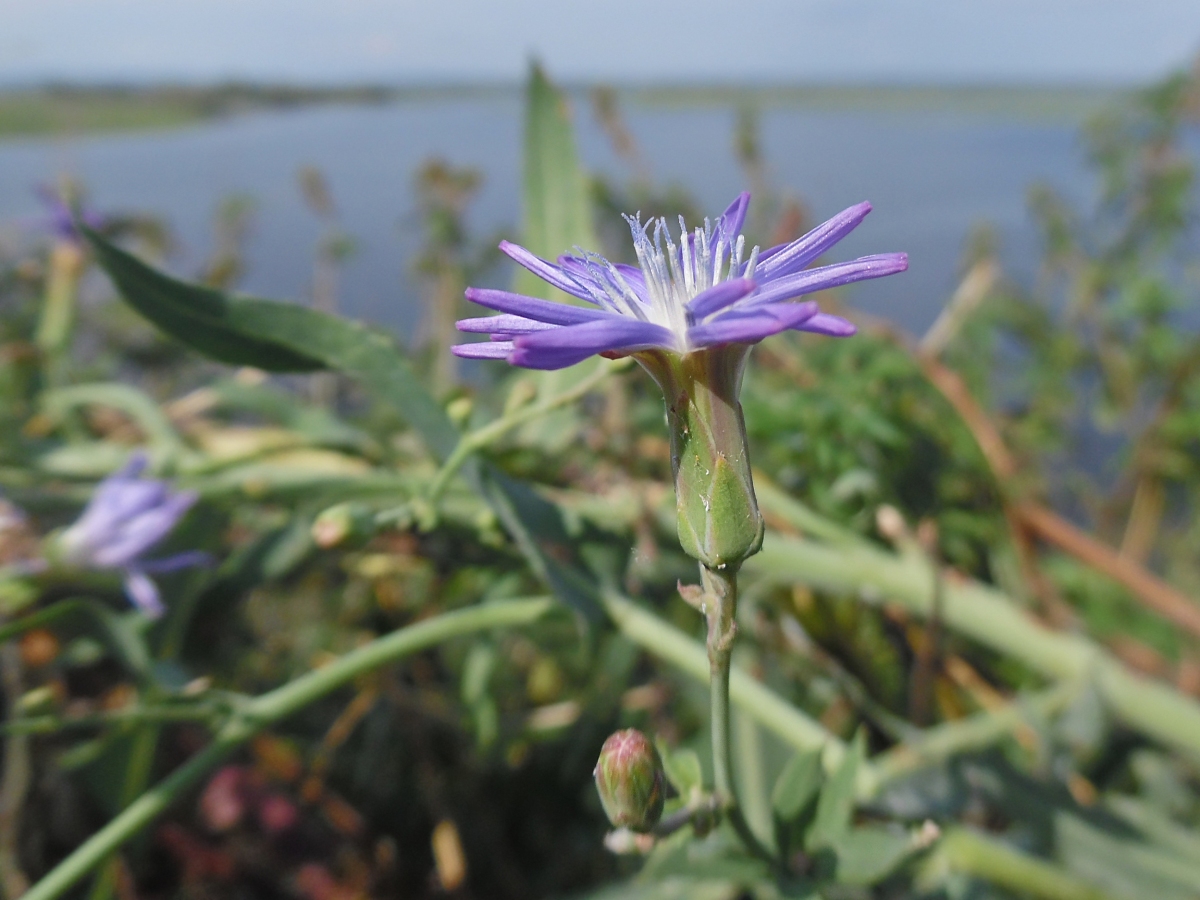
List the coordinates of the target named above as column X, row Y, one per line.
column 719, row 521
column 629, row 778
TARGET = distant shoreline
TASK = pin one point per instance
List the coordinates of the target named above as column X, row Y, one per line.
column 68, row 109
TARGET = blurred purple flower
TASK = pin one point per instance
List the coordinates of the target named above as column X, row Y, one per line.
column 125, row 518
column 706, row 291
column 63, row 216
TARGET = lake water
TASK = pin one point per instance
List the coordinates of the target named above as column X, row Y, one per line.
column 931, row 176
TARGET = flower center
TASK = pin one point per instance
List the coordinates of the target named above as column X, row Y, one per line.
column 675, row 275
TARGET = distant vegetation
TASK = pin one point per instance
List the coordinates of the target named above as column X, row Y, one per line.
column 58, row 109
column 1052, row 101
column 72, row 109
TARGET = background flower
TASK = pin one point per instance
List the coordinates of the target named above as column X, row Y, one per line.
column 126, row 517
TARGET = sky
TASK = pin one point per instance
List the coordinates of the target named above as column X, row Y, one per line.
column 390, row 41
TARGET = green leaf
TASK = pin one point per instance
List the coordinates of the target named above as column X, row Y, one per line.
column 557, row 215
column 797, row 785
column 1124, row 865
column 122, row 634
column 556, row 218
column 477, row 671
column 683, row 770
column 867, row 855
column 280, row 337
column 301, row 339
column 201, row 317
column 836, row 804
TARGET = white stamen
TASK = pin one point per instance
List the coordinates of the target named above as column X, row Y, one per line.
column 674, row 274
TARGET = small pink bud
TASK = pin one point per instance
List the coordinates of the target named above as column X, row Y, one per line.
column 223, row 802
column 629, row 777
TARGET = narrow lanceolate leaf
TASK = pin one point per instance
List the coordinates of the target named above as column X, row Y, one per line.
column 683, row 770
column 556, row 218
column 794, row 798
column 867, row 855
column 285, row 337
column 835, row 807
column 278, row 337
column 201, row 317
column 556, row 214
column 797, row 785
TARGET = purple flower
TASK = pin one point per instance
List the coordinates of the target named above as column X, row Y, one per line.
column 63, row 215
column 705, row 291
column 125, row 518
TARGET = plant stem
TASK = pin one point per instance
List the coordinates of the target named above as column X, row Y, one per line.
column 271, row 708
column 755, row 699
column 14, row 783
column 479, row 438
column 143, row 745
column 969, row 851
column 934, row 745
column 53, row 335
column 720, row 606
column 984, row 614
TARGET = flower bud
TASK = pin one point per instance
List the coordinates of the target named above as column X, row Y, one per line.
column 719, row 521
column 629, row 778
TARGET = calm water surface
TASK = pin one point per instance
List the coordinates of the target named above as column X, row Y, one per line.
column 930, row 175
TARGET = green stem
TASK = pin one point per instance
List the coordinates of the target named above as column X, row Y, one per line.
column 755, row 699
column 53, row 335
column 476, row 440
column 146, row 414
column 935, row 745
column 138, row 715
column 681, row 818
column 969, row 851
column 986, row 615
column 270, row 709
column 720, row 607
column 143, row 745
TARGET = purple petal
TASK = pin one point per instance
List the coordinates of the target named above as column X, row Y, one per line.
column 732, row 220
column 533, row 308
column 566, row 346
column 749, row 327
column 720, row 296
column 544, row 270
column 503, row 324
column 114, row 501
column 137, row 535
column 144, row 593
column 63, row 217
column 176, row 561
column 575, row 267
column 773, row 251
column 134, row 466
column 832, row 326
column 483, row 350
column 825, row 277
column 795, row 256
column 589, row 276
column 634, row 276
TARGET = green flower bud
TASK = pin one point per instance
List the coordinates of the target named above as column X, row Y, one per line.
column 629, row 777
column 719, row 521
